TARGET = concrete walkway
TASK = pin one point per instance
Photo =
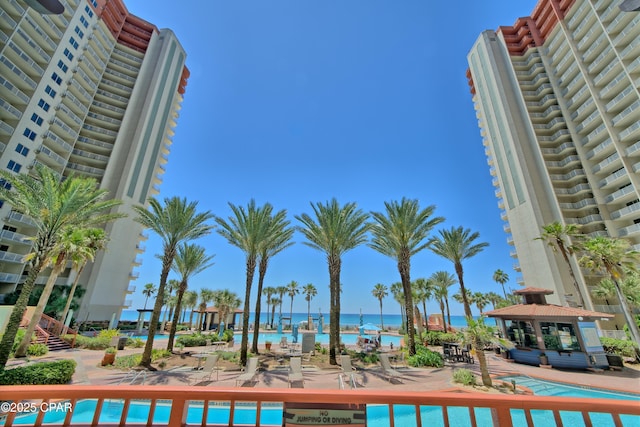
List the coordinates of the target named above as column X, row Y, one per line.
column 89, row 371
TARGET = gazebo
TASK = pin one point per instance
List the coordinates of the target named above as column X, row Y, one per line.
column 211, row 318
column 548, row 334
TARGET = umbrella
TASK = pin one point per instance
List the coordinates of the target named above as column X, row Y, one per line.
column 369, row 327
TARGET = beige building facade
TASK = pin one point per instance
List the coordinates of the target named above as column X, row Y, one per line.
column 558, row 103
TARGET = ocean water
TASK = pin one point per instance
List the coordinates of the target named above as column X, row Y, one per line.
column 346, row 319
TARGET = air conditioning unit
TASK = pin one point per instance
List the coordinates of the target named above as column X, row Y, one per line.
column 57, row 107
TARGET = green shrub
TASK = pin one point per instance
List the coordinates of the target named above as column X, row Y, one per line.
column 437, row 338
column 425, row 357
column 227, row 335
column 193, row 340
column 135, row 342
column 109, row 333
column 464, row 376
column 58, row 372
column 131, row 360
column 90, row 343
column 37, row 350
column 624, row 348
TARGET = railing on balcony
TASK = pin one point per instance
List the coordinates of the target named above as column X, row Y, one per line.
column 503, row 410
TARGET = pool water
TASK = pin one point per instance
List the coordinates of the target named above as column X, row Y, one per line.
column 552, row 388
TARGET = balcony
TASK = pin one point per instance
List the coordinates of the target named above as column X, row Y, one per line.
column 632, row 229
column 12, row 258
column 131, row 289
column 421, row 407
column 628, row 210
column 14, row 237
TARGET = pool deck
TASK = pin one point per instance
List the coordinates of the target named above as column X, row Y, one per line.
column 89, row 371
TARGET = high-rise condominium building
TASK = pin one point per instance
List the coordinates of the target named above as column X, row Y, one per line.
column 94, row 91
column 558, row 103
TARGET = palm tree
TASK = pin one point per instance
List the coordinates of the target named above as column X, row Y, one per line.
column 226, row 302
column 501, row 277
column 149, row 289
column 380, row 292
column 456, row 245
column 613, row 256
column 309, row 292
column 53, row 206
column 96, row 240
column 335, row 230
column 274, row 301
column 206, row 296
column 190, row 301
column 494, row 299
column 478, row 335
column 480, row 300
column 630, row 287
column 277, row 238
column 558, row 238
column 268, row 292
column 190, row 260
column 292, row 291
column 398, row 295
column 423, row 292
column 281, row 290
column 442, row 281
column 400, row 234
column 176, row 222
column 247, row 229
column 169, row 301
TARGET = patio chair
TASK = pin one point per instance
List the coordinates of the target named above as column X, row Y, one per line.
column 295, row 370
column 348, row 370
column 209, row 366
column 250, row 372
column 284, row 343
column 387, row 370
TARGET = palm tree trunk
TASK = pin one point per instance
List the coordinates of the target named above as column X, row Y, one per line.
column 42, row 303
column 191, row 318
column 631, row 321
column 309, row 313
column 463, row 291
column 167, row 260
column 176, row 315
column 291, row 313
column 334, row 314
column 443, row 318
column 244, row 344
column 381, row 317
column 573, row 276
column 262, row 271
column 482, row 361
column 6, row 345
column 446, row 301
column 63, row 316
column 404, row 268
column 426, row 316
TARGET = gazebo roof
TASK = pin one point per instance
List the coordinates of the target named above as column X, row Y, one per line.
column 546, row 311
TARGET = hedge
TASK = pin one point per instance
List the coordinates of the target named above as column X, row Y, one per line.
column 57, row 372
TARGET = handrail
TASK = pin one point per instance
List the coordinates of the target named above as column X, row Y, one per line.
column 179, row 397
column 57, row 328
column 43, row 332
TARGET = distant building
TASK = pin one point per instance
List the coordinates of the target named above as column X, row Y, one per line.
column 94, row 91
column 558, row 104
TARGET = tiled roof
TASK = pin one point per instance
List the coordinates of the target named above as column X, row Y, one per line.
column 546, row 310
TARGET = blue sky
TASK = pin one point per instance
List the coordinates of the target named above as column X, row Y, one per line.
column 295, row 101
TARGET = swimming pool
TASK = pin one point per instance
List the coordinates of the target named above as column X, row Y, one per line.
column 553, row 388
column 274, row 337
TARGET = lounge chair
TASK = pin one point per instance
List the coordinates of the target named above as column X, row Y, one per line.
column 209, row 366
column 295, row 370
column 250, row 372
column 348, row 370
column 387, row 370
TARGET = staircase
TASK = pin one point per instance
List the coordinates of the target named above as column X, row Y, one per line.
column 51, row 341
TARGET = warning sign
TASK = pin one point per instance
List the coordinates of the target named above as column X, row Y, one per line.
column 323, row 414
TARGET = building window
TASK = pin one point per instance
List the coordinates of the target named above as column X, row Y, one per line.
column 62, row 66
column 94, row 3
column 5, row 184
column 521, row 333
column 68, row 54
column 13, row 166
column 22, row 149
column 56, row 78
column 36, row 119
column 73, row 42
column 79, row 32
column 44, row 105
column 50, row 91
column 29, row 134
column 89, row 11
column 84, row 22
column 559, row 336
